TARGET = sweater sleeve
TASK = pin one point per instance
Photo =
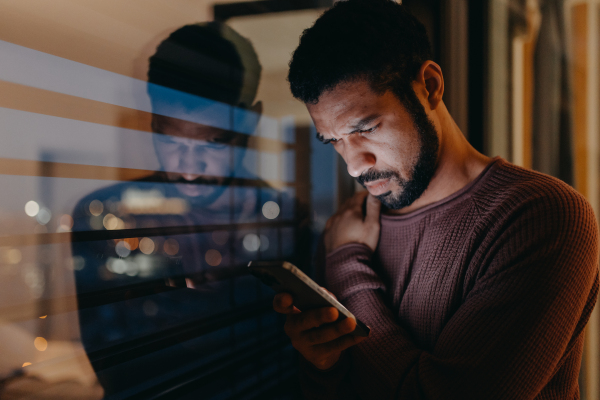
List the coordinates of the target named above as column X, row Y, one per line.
column 532, row 294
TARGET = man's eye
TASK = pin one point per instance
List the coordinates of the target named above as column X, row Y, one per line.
column 370, row 129
column 165, row 139
column 214, row 144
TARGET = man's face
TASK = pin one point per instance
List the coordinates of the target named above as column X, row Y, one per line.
column 196, row 157
column 388, row 149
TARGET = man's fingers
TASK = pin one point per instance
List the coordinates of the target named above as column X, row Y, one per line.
column 373, row 209
column 310, row 319
column 358, row 199
column 330, row 332
column 355, row 201
column 339, row 344
column 283, row 303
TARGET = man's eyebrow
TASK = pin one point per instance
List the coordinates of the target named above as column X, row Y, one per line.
column 359, row 126
column 363, row 123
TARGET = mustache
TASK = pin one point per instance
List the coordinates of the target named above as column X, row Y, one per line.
column 373, row 175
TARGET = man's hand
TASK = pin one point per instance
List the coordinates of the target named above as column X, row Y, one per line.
column 349, row 225
column 314, row 333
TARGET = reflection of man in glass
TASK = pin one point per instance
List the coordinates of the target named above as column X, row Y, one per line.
column 184, row 221
column 188, row 150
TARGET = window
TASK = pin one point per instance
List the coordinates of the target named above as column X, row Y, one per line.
column 149, row 152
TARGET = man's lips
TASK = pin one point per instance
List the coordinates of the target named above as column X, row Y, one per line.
column 378, row 187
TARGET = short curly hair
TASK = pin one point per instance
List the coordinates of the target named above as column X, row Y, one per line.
column 376, row 40
column 209, row 60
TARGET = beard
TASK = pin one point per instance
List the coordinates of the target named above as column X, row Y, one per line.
column 202, row 191
column 422, row 170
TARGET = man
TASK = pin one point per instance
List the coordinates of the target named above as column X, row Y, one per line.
column 140, row 320
column 477, row 277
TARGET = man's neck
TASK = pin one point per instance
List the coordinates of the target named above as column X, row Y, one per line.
column 458, row 164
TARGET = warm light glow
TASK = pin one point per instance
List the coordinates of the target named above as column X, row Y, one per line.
column 40, row 343
column 12, row 256
column 43, row 316
column 270, row 210
column 111, row 222
column 32, row 208
column 66, row 223
column 26, row 364
column 251, row 242
column 213, row 258
column 171, row 247
column 147, row 245
column 135, row 201
column 133, row 243
column 122, row 249
column 96, row 207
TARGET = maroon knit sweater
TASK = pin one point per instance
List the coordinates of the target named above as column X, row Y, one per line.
column 482, row 295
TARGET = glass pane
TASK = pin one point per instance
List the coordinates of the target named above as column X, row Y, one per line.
column 148, row 154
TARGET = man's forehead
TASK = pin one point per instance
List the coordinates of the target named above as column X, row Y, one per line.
column 185, row 129
column 348, row 106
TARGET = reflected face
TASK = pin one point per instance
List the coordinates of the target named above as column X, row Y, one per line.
column 390, row 148
column 197, row 157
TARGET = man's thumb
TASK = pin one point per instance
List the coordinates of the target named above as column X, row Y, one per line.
column 373, row 209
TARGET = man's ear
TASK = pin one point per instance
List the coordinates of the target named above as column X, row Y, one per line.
column 430, row 75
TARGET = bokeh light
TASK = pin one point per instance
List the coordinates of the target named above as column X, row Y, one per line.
column 111, row 222
column 122, row 249
column 40, row 343
column 43, row 216
column 171, row 247
column 66, row 223
column 270, row 210
column 116, row 265
column 251, row 242
column 147, row 245
column 78, row 263
column 213, row 258
column 32, row 208
column 264, row 243
column 96, row 207
column 133, row 243
column 12, row 256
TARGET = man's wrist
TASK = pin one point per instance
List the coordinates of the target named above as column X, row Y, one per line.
column 353, row 247
column 345, row 268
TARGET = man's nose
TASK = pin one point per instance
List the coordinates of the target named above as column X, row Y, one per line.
column 358, row 158
column 192, row 163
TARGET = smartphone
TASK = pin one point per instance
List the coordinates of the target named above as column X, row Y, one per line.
column 283, row 276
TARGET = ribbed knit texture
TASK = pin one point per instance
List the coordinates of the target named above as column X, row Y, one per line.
column 483, row 295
